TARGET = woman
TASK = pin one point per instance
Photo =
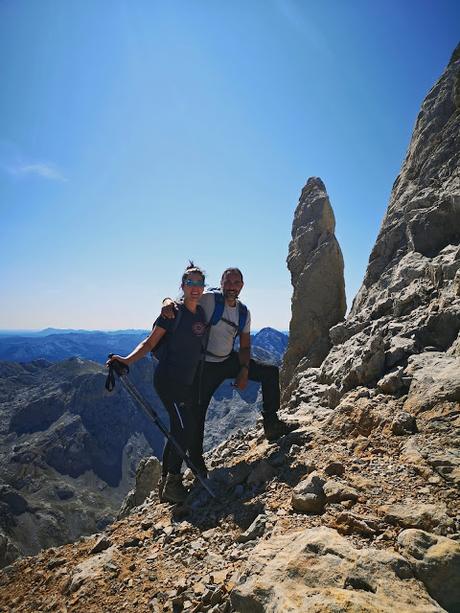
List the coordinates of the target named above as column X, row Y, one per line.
column 181, row 351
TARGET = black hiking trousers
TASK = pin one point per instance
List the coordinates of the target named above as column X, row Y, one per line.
column 178, row 401
column 208, row 380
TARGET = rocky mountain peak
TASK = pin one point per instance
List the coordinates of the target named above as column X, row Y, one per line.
column 455, row 54
column 423, row 215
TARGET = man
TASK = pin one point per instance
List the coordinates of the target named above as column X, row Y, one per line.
column 222, row 362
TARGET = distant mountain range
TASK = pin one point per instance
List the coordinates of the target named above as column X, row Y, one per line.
column 55, row 345
column 48, row 331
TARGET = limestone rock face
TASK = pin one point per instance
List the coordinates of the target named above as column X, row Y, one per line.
column 316, row 265
column 409, row 302
column 423, row 215
column 319, row 570
column 436, row 561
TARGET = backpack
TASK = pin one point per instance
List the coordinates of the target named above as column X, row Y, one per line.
column 161, row 348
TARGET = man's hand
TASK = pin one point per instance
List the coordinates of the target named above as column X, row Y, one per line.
column 169, row 309
column 241, row 380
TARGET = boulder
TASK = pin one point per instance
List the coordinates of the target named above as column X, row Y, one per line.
column 350, row 523
column 147, row 476
column 255, row 530
column 334, row 468
column 392, row 382
column 400, row 348
column 319, row 570
column 436, row 562
column 338, row 492
column 435, row 378
column 415, row 515
column 308, row 496
column 403, row 423
column 358, row 361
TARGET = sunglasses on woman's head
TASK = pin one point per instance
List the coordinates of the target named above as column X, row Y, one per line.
column 190, row 283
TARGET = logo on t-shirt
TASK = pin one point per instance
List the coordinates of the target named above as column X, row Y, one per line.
column 198, row 328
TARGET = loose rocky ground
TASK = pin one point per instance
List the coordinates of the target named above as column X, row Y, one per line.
column 219, row 555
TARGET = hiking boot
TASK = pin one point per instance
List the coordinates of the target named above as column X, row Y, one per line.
column 203, row 474
column 173, row 489
column 275, row 429
column 161, row 486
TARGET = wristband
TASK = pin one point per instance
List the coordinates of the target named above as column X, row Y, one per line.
column 244, row 366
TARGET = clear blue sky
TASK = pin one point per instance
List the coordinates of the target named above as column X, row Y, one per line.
column 134, row 135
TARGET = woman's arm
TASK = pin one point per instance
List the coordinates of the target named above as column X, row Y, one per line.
column 142, row 349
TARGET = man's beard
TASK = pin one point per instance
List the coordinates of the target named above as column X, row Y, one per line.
column 231, row 294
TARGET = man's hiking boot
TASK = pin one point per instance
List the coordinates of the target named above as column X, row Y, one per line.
column 275, row 429
column 173, row 489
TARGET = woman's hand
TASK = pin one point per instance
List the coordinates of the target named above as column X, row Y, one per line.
column 118, row 358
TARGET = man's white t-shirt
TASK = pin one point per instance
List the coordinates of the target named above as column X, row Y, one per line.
column 221, row 336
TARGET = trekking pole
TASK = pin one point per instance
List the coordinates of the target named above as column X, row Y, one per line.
column 122, row 371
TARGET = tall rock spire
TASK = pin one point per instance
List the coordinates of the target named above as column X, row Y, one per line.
column 316, row 265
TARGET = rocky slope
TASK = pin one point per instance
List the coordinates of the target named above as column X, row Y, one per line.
column 356, row 510
column 68, row 451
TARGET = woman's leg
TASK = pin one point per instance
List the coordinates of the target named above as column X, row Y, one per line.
column 172, row 461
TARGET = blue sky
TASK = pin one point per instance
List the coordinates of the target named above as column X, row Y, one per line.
column 136, row 135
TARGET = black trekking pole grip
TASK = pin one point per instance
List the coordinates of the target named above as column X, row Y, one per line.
column 115, row 366
column 120, row 368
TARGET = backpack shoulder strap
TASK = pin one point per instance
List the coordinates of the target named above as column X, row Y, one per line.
column 219, row 304
column 243, row 316
column 201, row 311
column 177, row 319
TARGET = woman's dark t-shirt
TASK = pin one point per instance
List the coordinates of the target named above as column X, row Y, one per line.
column 184, row 345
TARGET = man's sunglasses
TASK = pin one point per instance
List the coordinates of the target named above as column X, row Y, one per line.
column 190, row 283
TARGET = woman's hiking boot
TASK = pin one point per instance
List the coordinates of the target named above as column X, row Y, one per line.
column 174, row 490
column 275, row 428
column 161, row 486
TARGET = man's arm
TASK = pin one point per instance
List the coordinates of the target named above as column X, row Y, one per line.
column 244, row 356
column 169, row 307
